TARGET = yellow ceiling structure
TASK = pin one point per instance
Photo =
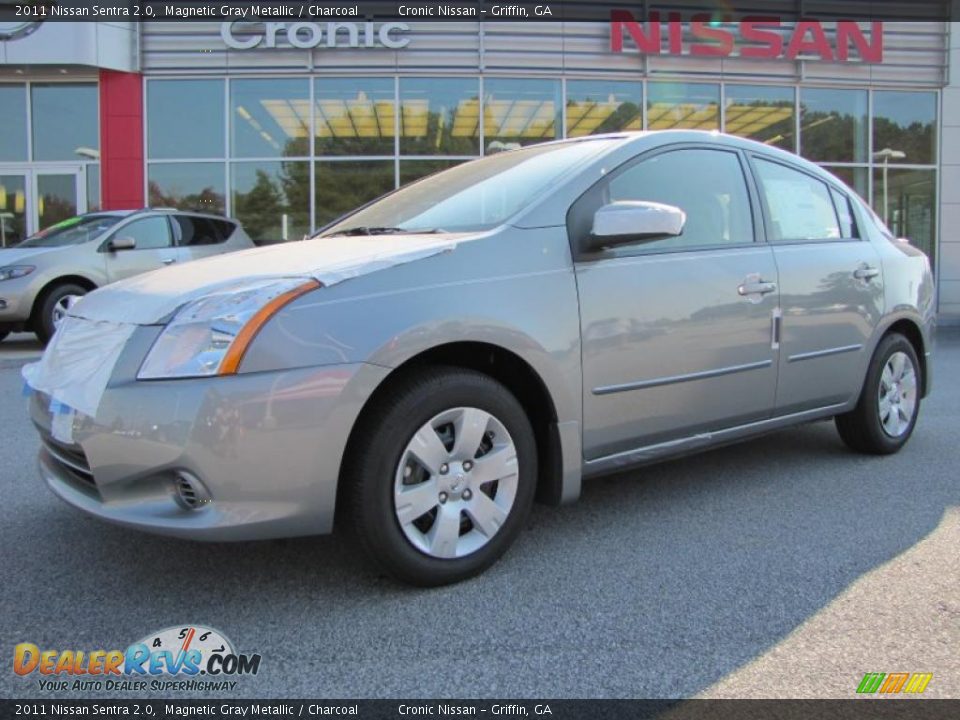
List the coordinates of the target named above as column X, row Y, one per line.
column 365, row 117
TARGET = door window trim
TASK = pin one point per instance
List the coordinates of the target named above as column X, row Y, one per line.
column 638, row 250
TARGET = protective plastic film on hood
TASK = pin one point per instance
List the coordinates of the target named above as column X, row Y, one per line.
column 148, row 299
column 78, row 363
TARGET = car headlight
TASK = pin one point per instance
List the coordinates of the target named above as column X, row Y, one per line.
column 11, row 272
column 209, row 335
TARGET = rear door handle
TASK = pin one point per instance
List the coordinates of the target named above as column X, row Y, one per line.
column 865, row 272
column 169, row 261
column 753, row 285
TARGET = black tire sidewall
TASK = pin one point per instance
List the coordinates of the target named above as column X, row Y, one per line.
column 391, row 431
column 869, row 402
column 44, row 323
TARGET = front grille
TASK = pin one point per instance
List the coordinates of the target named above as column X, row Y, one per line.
column 70, row 458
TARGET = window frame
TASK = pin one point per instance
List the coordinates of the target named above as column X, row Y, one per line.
column 637, row 249
column 831, row 187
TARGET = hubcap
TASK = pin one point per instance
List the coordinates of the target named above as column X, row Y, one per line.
column 62, row 306
column 456, row 483
column 898, row 394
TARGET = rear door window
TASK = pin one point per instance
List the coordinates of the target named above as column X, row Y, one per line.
column 799, row 207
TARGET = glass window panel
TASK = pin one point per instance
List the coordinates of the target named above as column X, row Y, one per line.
column 185, row 118
column 93, row 187
column 187, row 186
column 439, row 116
column 520, row 112
column 683, row 106
column 13, row 122
column 799, row 205
column 65, row 120
column 411, row 170
column 707, row 185
column 598, row 106
column 149, row 233
column 762, row 113
column 270, row 118
column 905, row 122
column 833, row 124
column 56, row 198
column 354, row 116
column 855, row 178
column 272, row 199
column 344, row 186
column 13, row 209
column 906, row 200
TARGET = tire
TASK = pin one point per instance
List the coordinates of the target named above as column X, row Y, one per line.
column 473, row 520
column 45, row 322
column 877, row 426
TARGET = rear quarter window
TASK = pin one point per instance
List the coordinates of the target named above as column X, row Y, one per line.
column 203, row 231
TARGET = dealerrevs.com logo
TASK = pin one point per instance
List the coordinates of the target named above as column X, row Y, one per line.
column 181, row 658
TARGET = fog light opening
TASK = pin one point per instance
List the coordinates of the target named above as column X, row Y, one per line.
column 189, row 492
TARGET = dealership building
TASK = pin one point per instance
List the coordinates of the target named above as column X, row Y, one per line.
column 287, row 125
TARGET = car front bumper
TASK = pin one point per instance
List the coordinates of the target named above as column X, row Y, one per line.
column 265, row 447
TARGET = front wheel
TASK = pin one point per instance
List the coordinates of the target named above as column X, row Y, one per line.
column 889, row 404
column 442, row 476
column 55, row 307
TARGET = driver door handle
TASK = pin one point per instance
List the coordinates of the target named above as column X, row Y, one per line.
column 169, row 261
column 865, row 272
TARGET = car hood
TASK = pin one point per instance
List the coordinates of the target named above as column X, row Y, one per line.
column 19, row 256
column 150, row 298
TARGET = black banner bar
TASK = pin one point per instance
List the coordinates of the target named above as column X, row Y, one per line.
column 856, row 709
column 455, row 10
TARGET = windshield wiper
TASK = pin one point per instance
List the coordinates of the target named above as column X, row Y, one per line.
column 368, row 230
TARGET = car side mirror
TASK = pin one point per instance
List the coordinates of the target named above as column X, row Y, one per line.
column 632, row 221
column 122, row 243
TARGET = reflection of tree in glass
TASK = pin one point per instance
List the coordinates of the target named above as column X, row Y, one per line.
column 207, row 200
column 916, row 139
column 260, row 208
column 830, row 136
column 343, row 186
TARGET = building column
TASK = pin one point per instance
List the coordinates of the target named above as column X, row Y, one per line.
column 121, row 140
column 949, row 255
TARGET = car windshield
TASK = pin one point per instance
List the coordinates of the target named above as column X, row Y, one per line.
column 74, row 231
column 477, row 195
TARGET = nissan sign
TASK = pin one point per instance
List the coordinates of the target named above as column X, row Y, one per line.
column 758, row 37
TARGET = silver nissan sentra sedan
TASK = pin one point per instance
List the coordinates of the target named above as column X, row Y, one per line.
column 430, row 364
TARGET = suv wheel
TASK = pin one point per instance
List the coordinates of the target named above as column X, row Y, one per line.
column 889, row 404
column 443, row 476
column 54, row 308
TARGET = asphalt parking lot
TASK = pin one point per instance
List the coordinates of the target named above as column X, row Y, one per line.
column 785, row 567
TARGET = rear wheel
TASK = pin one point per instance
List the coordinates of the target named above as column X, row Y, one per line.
column 443, row 476
column 54, row 307
column 889, row 404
